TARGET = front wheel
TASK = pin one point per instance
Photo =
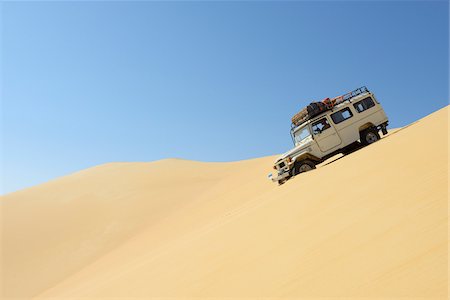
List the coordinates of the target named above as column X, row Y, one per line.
column 304, row 166
column 369, row 136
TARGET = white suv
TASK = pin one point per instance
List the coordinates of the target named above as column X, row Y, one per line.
column 351, row 120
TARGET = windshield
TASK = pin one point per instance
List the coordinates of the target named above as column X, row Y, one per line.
column 301, row 134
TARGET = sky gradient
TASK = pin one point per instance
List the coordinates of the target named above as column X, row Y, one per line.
column 86, row 83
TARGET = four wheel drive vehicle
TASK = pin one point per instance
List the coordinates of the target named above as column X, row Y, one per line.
column 324, row 129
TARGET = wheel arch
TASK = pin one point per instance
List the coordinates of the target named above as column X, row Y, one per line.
column 366, row 126
column 305, row 156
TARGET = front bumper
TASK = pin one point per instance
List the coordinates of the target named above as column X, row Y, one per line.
column 281, row 175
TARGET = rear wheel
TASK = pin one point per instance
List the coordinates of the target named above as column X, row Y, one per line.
column 304, row 166
column 369, row 136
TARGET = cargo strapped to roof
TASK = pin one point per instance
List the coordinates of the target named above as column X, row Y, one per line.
column 315, row 108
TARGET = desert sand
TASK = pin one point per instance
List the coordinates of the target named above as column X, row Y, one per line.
column 370, row 224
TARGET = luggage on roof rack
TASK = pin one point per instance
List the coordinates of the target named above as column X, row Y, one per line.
column 309, row 112
column 316, row 108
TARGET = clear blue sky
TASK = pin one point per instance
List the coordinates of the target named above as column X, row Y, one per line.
column 85, row 83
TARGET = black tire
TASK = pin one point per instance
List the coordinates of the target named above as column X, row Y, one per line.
column 369, row 136
column 304, row 166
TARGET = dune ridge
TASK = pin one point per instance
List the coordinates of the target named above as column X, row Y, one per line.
column 370, row 224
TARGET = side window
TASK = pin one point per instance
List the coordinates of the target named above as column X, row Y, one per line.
column 364, row 104
column 341, row 115
column 320, row 126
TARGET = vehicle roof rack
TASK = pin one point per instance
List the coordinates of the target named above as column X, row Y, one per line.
column 303, row 116
column 352, row 94
column 330, row 103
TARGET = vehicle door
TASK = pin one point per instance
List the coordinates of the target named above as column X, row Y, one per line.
column 325, row 135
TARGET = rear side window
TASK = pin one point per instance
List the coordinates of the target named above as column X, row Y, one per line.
column 341, row 115
column 364, row 104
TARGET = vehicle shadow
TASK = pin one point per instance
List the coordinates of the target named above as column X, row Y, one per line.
column 342, row 155
column 354, row 149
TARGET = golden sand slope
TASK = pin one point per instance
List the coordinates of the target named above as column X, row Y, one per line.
column 371, row 224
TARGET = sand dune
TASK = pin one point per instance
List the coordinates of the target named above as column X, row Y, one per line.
column 370, row 224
